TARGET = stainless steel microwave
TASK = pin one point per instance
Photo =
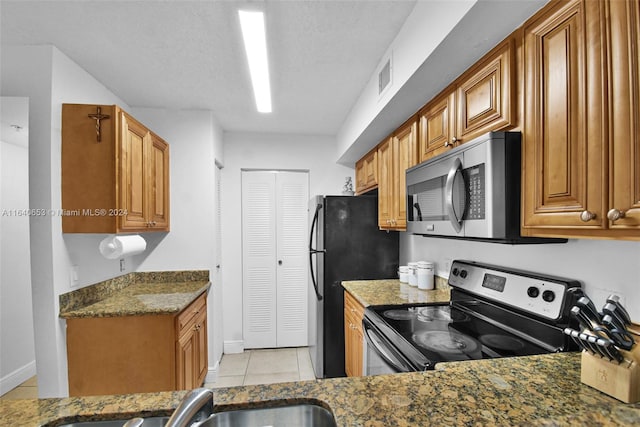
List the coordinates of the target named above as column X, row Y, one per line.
column 472, row 191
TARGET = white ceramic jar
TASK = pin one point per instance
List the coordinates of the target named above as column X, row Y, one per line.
column 425, row 275
column 411, row 275
column 403, row 273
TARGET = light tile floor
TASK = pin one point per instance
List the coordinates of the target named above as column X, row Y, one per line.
column 264, row 367
column 248, row 368
column 26, row 390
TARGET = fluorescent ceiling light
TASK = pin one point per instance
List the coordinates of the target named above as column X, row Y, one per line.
column 255, row 46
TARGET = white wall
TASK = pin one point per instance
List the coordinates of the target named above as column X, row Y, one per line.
column 256, row 151
column 426, row 26
column 17, row 350
column 49, row 78
column 603, row 266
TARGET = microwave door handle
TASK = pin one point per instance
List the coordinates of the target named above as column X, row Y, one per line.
column 451, row 177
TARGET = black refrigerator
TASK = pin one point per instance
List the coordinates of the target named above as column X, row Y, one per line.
column 344, row 244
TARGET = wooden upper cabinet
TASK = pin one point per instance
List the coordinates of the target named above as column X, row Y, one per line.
column 437, row 126
column 385, row 184
column 481, row 100
column 485, row 95
column 158, row 176
column 133, row 157
column 564, row 162
column 395, row 156
column 367, row 172
column 117, row 183
column 624, row 89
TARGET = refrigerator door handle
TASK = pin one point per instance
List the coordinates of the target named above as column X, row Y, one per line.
column 313, row 251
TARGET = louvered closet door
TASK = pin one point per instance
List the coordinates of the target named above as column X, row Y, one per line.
column 275, row 227
column 292, row 196
column 259, row 259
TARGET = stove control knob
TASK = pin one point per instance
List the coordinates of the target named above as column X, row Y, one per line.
column 533, row 292
column 455, row 271
column 548, row 296
column 463, row 273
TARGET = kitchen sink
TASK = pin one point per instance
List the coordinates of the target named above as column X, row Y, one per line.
column 197, row 409
column 297, row 415
column 148, row 422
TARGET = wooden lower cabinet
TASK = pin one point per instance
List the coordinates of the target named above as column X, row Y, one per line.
column 138, row 354
column 353, row 335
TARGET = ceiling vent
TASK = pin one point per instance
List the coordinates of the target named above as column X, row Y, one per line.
column 384, row 77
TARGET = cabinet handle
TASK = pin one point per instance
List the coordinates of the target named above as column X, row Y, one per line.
column 447, row 144
column 587, row 216
column 615, row 214
column 454, row 140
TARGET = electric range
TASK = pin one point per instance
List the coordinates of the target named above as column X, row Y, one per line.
column 494, row 312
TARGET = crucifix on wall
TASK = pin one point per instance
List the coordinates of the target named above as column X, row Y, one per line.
column 98, row 117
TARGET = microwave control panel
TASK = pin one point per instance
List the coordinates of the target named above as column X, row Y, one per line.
column 475, row 180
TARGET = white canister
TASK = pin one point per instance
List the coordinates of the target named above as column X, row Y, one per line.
column 411, row 275
column 403, row 273
column 424, row 275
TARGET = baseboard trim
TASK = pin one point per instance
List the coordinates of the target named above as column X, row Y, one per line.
column 212, row 374
column 231, row 347
column 17, row 377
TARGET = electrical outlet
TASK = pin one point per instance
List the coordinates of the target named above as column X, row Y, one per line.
column 74, row 276
column 122, row 265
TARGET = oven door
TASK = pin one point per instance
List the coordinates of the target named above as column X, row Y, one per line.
column 379, row 354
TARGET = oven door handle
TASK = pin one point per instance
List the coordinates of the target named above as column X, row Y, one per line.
column 454, row 174
column 375, row 342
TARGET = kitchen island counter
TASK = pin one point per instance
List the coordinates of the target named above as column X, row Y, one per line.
column 540, row 390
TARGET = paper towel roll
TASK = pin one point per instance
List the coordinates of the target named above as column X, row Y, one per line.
column 114, row 247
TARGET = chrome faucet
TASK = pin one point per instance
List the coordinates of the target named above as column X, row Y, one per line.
column 196, row 406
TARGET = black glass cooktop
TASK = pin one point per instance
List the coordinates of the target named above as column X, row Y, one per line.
column 444, row 333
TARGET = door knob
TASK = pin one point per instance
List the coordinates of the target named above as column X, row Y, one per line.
column 279, row 262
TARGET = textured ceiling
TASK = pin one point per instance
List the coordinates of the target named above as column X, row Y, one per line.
column 188, row 54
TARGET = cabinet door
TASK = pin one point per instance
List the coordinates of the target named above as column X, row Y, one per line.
column 185, row 361
column 563, row 156
column 405, row 156
column 366, row 172
column 385, row 184
column 132, row 191
column 158, row 180
column 484, row 101
column 437, row 127
column 201, row 359
column 624, row 82
column 353, row 313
